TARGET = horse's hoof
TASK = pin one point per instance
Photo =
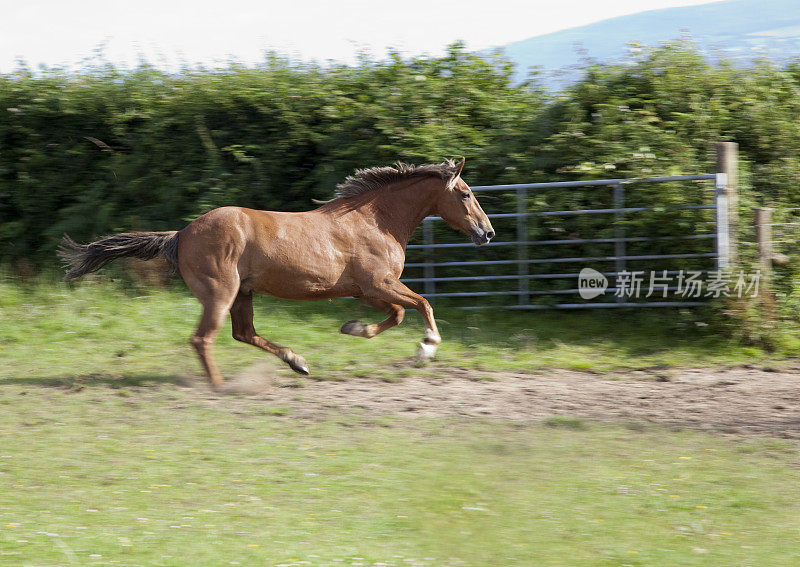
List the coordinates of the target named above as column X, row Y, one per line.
column 295, row 361
column 300, row 369
column 425, row 352
column 354, row 328
column 299, row 366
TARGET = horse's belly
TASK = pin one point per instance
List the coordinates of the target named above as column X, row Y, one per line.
column 299, row 284
column 290, row 263
column 304, row 290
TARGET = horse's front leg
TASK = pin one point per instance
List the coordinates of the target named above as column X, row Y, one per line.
column 358, row 329
column 393, row 292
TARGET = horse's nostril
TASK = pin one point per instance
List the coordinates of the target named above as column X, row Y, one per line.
column 490, row 234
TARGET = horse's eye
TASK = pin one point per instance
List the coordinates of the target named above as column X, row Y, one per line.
column 465, row 196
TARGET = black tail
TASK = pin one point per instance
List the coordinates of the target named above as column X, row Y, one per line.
column 85, row 258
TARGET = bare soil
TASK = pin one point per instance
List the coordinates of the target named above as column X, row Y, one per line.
column 740, row 400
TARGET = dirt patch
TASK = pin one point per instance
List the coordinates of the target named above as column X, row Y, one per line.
column 741, row 400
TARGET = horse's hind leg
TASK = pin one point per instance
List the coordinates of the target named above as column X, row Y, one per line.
column 214, row 312
column 358, row 329
column 243, row 330
column 216, row 295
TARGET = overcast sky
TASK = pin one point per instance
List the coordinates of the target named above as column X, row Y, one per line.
column 169, row 32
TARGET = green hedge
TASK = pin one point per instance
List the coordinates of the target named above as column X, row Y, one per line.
column 105, row 149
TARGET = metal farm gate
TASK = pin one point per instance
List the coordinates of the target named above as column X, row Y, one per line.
column 517, row 272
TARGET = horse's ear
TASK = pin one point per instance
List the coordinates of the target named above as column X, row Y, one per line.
column 460, row 166
column 456, row 171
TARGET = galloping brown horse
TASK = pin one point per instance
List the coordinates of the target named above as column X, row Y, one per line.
column 353, row 245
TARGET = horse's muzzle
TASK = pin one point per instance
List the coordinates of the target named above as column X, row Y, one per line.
column 481, row 236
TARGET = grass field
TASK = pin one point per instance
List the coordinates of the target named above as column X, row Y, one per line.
column 98, row 329
column 160, row 478
column 105, row 460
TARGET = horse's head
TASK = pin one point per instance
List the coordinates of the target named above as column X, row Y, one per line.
column 459, row 208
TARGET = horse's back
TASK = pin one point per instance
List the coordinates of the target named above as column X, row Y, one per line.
column 289, row 255
column 296, row 256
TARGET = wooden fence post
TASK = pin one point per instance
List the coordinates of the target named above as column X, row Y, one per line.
column 763, row 219
column 763, row 227
column 728, row 163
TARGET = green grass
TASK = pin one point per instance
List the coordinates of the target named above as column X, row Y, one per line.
column 53, row 332
column 167, row 478
column 104, row 460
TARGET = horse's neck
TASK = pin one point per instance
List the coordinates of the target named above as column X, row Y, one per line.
column 399, row 211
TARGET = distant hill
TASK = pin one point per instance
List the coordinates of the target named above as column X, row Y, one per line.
column 735, row 29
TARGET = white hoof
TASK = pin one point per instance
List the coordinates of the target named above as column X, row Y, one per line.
column 425, row 352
